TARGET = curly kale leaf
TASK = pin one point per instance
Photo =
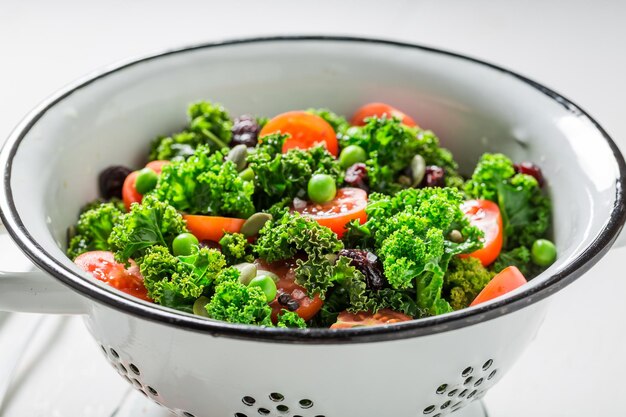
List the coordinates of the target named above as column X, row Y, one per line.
column 524, row 208
column 206, row 184
column 94, row 228
column 464, row 280
column 518, row 257
column 150, row 223
column 209, row 125
column 177, row 281
column 289, row 319
column 285, row 175
column 236, row 249
column 235, row 303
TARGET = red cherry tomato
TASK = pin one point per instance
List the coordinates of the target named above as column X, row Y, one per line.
column 485, row 215
column 157, row 166
column 130, row 194
column 348, row 204
column 306, row 130
column 212, row 227
column 347, row 320
column 103, row 267
column 307, row 307
column 380, row 110
column 506, row 281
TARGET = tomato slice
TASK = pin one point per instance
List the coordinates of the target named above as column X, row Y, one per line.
column 308, row 307
column 157, row 166
column 485, row 215
column 102, row 266
column 347, row 320
column 129, row 191
column 306, row 130
column 507, row 280
column 380, row 110
column 348, row 204
column 212, row 227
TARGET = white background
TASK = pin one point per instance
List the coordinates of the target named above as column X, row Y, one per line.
column 576, row 365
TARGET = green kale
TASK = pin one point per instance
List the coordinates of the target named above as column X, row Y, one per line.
column 119, row 204
column 150, row 223
column 236, row 249
column 519, row 257
column 236, row 303
column 279, row 176
column 464, row 280
column 524, row 208
column 94, row 228
column 339, row 123
column 290, row 319
column 209, row 125
column 177, row 281
column 206, row 184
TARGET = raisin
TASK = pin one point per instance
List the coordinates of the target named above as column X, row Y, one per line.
column 293, row 305
column 111, row 181
column 356, row 176
column 531, row 169
column 434, row 177
column 369, row 265
column 209, row 244
column 245, row 131
column 283, row 299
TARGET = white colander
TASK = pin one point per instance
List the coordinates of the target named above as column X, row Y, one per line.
column 202, row 368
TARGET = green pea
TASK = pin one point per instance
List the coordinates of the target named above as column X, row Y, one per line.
column 350, row 155
column 247, row 174
column 321, row 188
column 183, row 244
column 267, row 284
column 146, row 181
column 543, row 252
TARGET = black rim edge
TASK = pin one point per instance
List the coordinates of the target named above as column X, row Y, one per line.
column 432, row 325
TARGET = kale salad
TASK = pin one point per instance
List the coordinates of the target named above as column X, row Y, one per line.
column 310, row 220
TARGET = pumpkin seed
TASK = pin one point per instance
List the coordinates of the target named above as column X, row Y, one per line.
column 247, row 272
column 238, row 155
column 418, row 169
column 456, row 236
column 199, row 306
column 255, row 223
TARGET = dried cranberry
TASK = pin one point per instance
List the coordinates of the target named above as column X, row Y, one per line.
column 434, row 177
column 531, row 169
column 369, row 265
column 245, row 131
column 293, row 305
column 111, row 181
column 356, row 176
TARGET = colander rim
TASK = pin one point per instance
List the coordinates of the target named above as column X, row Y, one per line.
column 421, row 327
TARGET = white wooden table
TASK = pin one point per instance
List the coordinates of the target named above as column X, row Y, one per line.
column 577, row 363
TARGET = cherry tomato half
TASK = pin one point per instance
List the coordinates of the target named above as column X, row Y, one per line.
column 379, row 110
column 347, row 320
column 130, row 194
column 103, row 267
column 485, row 215
column 157, row 166
column 306, row 130
column 212, row 227
column 286, row 285
column 348, row 204
column 507, row 280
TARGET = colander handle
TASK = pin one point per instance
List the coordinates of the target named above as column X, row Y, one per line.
column 33, row 291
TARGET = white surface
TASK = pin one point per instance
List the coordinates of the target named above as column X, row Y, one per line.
column 575, row 366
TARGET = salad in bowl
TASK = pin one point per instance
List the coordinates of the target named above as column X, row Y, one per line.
column 310, row 220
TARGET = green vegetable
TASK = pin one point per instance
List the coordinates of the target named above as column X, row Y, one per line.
column 281, row 176
column 146, row 181
column 464, row 280
column 184, row 244
column 543, row 252
column 206, row 184
column 235, row 248
column 290, row 319
column 209, row 125
column 321, row 188
column 93, row 229
column 177, row 281
column 265, row 283
column 119, row 204
column 199, row 306
column 525, row 210
column 519, row 257
column 235, row 303
column 351, row 155
column 150, row 223
column 339, row 123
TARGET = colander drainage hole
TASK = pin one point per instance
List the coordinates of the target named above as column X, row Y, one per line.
column 305, row 403
column 453, row 393
column 471, row 394
column 134, row 369
column 442, row 388
column 468, row 381
column 429, row 409
column 121, row 368
column 445, row 405
column 152, row 391
column 247, row 400
column 114, row 353
column 240, row 415
column 487, row 364
column 282, row 408
column 463, row 393
column 467, row 371
column 188, row 414
column 477, row 383
column 276, row 397
column 492, row 374
column 264, row 411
